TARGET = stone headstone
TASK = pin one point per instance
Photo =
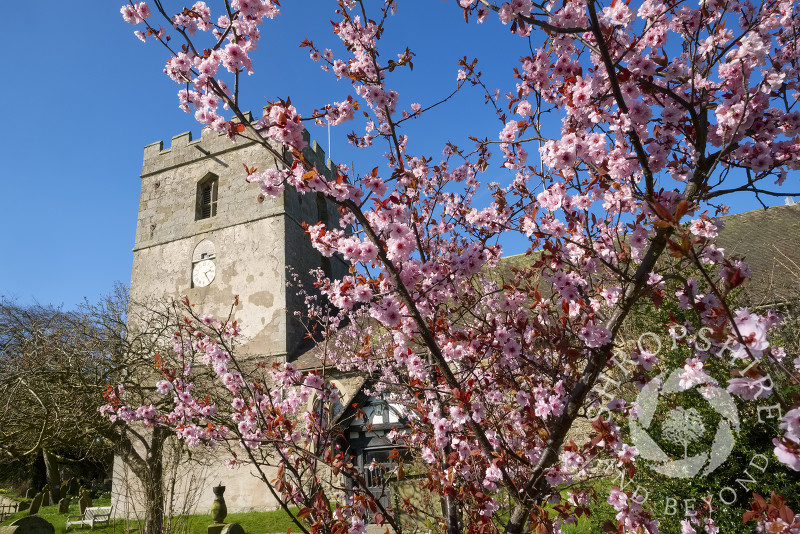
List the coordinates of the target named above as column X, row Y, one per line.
column 63, row 505
column 30, row 494
column 33, row 525
column 36, row 504
column 233, row 528
column 55, row 492
column 62, row 490
column 46, row 495
column 85, row 501
column 23, row 505
column 72, row 486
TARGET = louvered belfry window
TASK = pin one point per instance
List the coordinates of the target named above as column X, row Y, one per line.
column 207, row 197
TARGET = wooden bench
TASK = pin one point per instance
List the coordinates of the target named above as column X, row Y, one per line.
column 92, row 516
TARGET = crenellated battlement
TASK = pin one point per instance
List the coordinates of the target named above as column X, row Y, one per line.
column 183, row 149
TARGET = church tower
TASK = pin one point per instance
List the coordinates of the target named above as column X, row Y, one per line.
column 205, row 233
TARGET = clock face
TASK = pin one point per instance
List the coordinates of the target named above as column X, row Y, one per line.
column 203, row 273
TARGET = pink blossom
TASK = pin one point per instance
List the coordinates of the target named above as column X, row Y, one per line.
column 135, row 12
column 787, row 455
column 618, row 14
column 692, row 374
column 492, row 476
column 752, row 328
column 594, row 336
column 509, row 132
column 791, row 424
column 163, row 386
column 703, row 228
column 750, row 388
column 617, row 499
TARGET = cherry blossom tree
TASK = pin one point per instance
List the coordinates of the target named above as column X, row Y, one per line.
column 665, row 109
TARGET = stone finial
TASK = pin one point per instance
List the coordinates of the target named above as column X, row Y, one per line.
column 218, row 508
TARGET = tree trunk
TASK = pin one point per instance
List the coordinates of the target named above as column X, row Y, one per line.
column 53, row 476
column 153, row 484
column 38, row 472
column 452, row 515
column 147, row 468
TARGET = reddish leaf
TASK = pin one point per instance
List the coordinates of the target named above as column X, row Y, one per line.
column 786, row 514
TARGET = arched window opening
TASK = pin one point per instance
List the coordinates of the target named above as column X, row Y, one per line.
column 207, row 197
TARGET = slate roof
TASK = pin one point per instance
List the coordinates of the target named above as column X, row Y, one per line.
column 769, row 241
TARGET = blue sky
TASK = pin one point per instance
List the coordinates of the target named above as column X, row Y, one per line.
column 84, row 96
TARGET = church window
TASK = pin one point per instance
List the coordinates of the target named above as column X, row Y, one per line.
column 207, row 197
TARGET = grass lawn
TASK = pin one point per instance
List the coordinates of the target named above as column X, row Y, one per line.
column 252, row 522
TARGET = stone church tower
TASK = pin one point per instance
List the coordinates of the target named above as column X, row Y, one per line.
column 205, row 233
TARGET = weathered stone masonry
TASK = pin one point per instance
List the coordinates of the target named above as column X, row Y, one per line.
column 254, row 239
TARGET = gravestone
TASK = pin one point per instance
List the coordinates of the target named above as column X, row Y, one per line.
column 233, row 528
column 46, row 495
column 62, row 490
column 63, row 505
column 55, row 492
column 33, row 525
column 30, row 494
column 23, row 505
column 72, row 486
column 36, row 504
column 85, row 501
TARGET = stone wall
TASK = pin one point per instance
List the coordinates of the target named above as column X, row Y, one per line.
column 188, row 485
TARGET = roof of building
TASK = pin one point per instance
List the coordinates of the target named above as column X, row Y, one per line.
column 769, row 241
